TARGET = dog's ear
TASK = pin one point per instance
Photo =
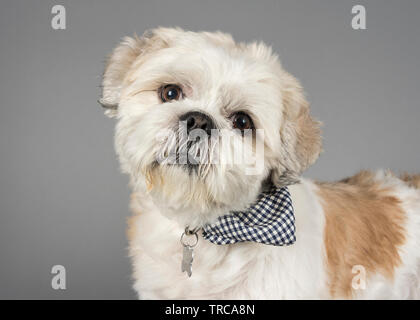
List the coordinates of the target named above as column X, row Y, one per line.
column 300, row 134
column 119, row 62
column 122, row 58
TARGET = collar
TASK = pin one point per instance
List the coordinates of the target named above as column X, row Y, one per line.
column 270, row 220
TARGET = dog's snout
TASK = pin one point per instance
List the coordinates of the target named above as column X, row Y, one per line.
column 198, row 120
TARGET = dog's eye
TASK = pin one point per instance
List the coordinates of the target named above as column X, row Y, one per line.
column 242, row 121
column 170, row 92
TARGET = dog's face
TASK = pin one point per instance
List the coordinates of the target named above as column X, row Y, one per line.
column 177, row 95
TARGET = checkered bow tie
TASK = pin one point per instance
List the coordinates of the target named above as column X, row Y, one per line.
column 269, row 221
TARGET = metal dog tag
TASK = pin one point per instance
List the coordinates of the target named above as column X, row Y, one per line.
column 188, row 251
column 187, row 260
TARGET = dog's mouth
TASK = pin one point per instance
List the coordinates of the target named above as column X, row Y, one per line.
column 191, row 165
column 195, row 156
column 169, row 179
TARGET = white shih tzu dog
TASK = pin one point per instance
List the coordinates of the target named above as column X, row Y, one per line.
column 205, row 226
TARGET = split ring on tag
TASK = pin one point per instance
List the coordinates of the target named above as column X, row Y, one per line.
column 189, row 234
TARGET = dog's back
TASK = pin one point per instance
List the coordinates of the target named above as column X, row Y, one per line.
column 373, row 223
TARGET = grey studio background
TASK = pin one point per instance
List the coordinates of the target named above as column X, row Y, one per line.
column 62, row 198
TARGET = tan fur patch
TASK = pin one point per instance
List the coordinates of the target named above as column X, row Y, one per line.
column 131, row 221
column 131, row 229
column 301, row 133
column 364, row 226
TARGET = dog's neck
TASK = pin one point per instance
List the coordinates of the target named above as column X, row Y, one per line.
column 188, row 217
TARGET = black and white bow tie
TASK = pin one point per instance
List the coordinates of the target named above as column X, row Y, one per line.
column 269, row 221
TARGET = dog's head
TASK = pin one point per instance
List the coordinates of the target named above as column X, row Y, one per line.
column 177, row 95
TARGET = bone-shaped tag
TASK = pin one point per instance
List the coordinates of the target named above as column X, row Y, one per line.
column 187, row 259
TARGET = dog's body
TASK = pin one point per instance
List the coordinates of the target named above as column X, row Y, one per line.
column 358, row 238
column 323, row 263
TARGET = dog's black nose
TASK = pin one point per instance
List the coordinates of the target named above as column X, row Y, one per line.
column 198, row 120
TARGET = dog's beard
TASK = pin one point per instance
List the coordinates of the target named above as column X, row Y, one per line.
column 198, row 173
column 186, row 195
column 194, row 152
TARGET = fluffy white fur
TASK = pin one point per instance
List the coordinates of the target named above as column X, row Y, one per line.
column 220, row 77
column 252, row 271
column 245, row 270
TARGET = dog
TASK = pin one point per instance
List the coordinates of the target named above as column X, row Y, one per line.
column 356, row 238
